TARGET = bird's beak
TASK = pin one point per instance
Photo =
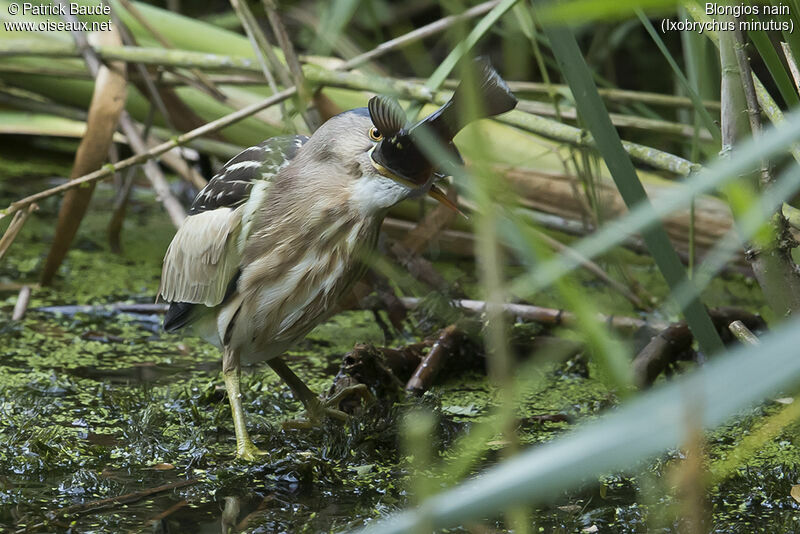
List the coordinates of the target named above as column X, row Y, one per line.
column 437, row 194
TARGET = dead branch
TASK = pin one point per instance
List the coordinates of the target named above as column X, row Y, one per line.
column 428, row 369
column 546, row 316
column 674, row 343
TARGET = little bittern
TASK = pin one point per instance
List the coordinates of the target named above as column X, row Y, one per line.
column 283, row 230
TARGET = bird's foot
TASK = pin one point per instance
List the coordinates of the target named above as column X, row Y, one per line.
column 248, row 452
column 355, row 390
column 317, row 410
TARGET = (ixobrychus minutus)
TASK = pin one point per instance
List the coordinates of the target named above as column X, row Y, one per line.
column 283, row 230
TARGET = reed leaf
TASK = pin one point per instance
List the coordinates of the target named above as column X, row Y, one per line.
column 593, row 112
column 645, row 427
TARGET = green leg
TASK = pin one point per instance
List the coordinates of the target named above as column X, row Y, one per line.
column 245, row 449
column 314, row 406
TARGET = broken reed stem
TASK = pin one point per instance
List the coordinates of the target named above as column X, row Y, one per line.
column 16, row 225
column 21, row 306
column 432, row 363
column 743, row 334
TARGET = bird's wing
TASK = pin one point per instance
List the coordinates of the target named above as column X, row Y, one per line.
column 203, row 258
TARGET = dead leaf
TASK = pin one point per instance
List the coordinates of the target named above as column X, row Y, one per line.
column 163, row 467
column 795, row 493
column 108, row 101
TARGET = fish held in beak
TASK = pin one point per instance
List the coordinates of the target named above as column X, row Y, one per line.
column 399, row 154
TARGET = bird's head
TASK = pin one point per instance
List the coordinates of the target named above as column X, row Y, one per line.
column 386, row 158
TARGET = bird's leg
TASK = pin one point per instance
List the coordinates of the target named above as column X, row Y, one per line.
column 231, row 372
column 314, row 406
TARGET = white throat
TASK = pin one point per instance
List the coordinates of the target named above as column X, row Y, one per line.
column 376, row 193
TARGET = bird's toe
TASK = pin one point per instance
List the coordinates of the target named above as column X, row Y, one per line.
column 248, row 452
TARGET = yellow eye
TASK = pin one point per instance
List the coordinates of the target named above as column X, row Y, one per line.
column 375, row 134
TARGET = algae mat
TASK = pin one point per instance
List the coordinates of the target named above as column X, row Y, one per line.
column 102, row 405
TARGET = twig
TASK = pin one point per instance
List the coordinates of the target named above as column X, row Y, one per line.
column 432, row 224
column 125, row 184
column 548, row 316
column 176, row 212
column 169, row 511
column 432, row 363
column 92, row 506
column 128, row 498
column 14, row 227
column 592, row 267
column 417, row 266
column 22, row 303
column 743, row 334
column 242, row 525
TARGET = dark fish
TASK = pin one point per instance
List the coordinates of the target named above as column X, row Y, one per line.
column 400, row 150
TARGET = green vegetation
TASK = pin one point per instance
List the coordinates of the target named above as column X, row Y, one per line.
column 98, row 404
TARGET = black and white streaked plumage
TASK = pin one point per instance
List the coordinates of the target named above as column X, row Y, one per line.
column 281, row 233
column 187, row 282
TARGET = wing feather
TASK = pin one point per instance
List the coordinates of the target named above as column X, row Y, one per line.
column 204, row 256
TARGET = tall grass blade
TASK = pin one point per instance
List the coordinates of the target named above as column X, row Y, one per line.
column 708, row 122
column 593, row 112
column 775, row 67
column 654, row 422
